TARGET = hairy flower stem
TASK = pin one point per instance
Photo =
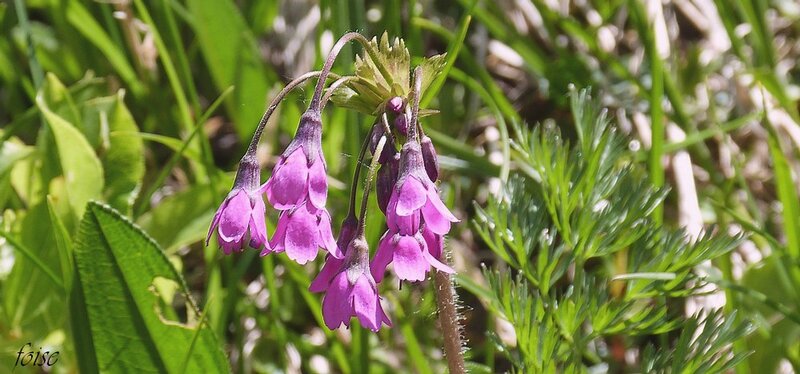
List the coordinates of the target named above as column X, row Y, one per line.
column 346, row 38
column 449, row 322
column 277, row 100
column 414, row 100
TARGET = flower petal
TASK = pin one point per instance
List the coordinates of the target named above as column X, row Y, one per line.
column 434, row 220
column 383, row 256
column 279, row 236
column 301, row 241
column 318, row 183
column 433, row 261
column 286, row 187
column 215, row 221
column 406, row 225
column 230, row 246
column 337, row 307
column 434, row 243
column 381, row 316
column 409, row 264
column 411, row 196
column 325, row 239
column 329, row 270
column 433, row 197
column 365, row 302
column 258, row 227
column 235, row 218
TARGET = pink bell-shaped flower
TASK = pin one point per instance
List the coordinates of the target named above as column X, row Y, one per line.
column 240, row 219
column 414, row 206
column 350, row 290
column 301, row 173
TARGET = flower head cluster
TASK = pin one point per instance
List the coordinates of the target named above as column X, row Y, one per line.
column 416, row 217
column 415, row 212
column 299, row 189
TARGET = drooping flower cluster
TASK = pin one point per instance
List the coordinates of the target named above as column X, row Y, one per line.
column 416, row 217
column 299, row 189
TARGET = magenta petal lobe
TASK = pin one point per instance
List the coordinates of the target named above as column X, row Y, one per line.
column 412, row 196
column 434, row 220
column 329, row 270
column 287, row 186
column 365, row 301
column 433, row 197
column 382, row 257
column 258, row 227
column 326, row 239
column 300, row 242
column 235, row 218
column 318, row 183
column 337, row 304
column 409, row 263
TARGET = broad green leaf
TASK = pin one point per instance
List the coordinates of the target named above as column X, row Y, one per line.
column 118, row 267
column 232, row 56
column 59, row 100
column 82, row 171
column 124, row 159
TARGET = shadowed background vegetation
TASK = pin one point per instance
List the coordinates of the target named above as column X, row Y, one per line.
column 648, row 224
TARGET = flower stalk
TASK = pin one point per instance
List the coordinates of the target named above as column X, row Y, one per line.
column 334, row 53
column 277, row 100
column 449, row 322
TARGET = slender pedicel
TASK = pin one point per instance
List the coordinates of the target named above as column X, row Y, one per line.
column 277, row 100
column 373, row 168
column 332, row 89
column 346, row 38
column 414, row 101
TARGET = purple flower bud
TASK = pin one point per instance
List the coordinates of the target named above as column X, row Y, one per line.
column 347, row 232
column 401, row 124
column 430, row 158
column 240, row 218
column 351, row 290
column 389, row 150
column 395, row 104
column 386, row 180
